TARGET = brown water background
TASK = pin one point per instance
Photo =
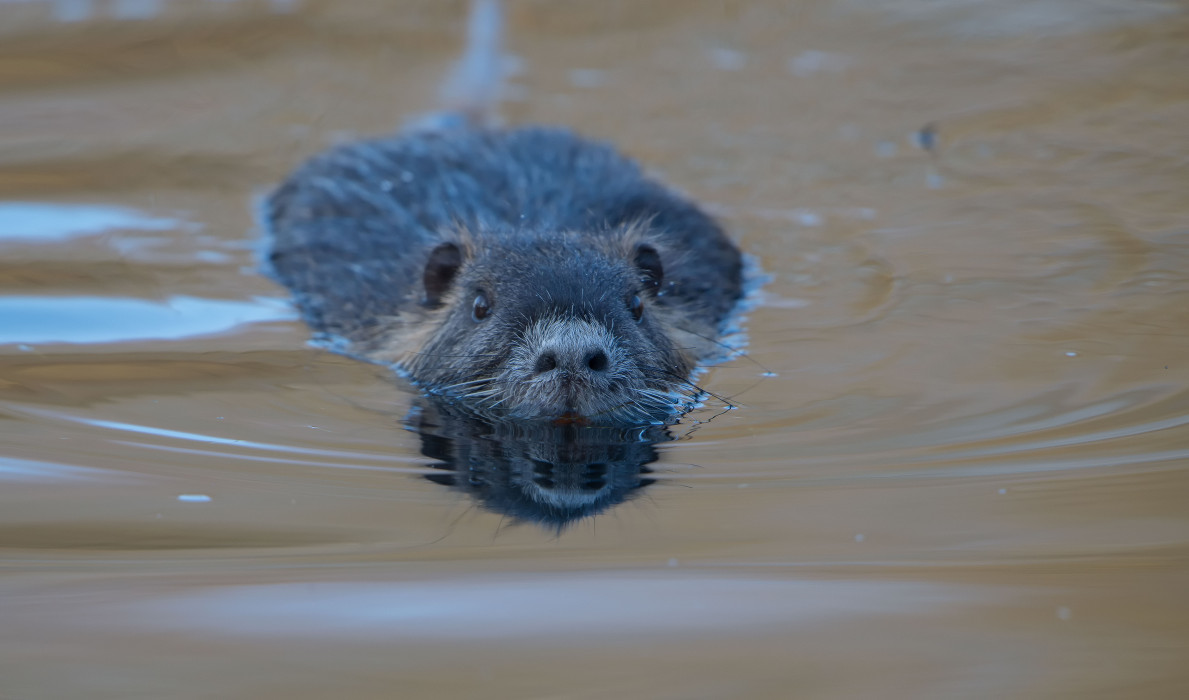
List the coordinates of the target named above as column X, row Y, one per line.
column 968, row 476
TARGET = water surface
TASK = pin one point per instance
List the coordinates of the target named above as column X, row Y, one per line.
column 959, row 463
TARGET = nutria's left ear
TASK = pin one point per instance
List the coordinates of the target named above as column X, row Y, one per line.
column 440, row 270
column 648, row 262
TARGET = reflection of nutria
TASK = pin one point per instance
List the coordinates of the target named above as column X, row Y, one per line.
column 527, row 271
column 532, row 471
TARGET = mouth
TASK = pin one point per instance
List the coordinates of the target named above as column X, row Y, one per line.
column 575, row 406
column 572, row 406
column 571, row 418
column 565, row 400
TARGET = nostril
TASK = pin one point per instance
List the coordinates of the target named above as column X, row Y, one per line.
column 597, row 361
column 546, row 362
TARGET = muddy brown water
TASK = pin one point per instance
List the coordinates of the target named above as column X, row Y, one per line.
column 967, row 475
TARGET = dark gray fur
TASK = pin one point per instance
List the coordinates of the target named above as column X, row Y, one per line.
column 352, row 227
column 546, row 221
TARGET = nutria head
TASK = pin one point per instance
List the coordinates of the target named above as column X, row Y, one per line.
column 548, row 325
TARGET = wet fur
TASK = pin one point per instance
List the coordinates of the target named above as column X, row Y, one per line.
column 549, row 217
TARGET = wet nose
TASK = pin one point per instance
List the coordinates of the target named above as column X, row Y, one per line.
column 596, row 360
column 590, row 360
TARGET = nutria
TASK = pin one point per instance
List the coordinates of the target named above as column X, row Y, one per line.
column 527, row 271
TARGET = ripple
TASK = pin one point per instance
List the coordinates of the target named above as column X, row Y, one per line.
column 101, row 536
column 36, row 471
column 597, row 604
column 34, row 319
column 974, row 18
column 53, row 223
column 193, row 443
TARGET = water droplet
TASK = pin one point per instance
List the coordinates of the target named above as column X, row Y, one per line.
column 808, row 218
column 926, row 137
column 727, row 59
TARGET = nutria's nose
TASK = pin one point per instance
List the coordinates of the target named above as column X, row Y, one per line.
column 597, row 361
column 586, row 361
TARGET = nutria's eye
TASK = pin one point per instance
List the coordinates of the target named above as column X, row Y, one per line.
column 481, row 308
column 636, row 306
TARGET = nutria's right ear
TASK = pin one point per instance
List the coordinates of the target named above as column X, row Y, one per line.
column 648, row 262
column 440, row 270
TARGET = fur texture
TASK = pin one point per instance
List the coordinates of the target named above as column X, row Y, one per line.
column 561, row 236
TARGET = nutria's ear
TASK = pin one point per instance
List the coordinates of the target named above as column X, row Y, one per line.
column 440, row 270
column 648, row 261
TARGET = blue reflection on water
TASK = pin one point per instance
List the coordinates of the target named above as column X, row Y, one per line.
column 37, row 221
column 548, row 605
column 35, row 471
column 34, row 319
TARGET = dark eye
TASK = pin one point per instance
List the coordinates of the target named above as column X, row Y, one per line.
column 481, row 308
column 636, row 306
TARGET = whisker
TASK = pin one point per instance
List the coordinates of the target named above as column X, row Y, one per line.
column 736, row 352
column 700, row 389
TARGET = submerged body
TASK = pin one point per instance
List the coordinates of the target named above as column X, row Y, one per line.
column 527, row 271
